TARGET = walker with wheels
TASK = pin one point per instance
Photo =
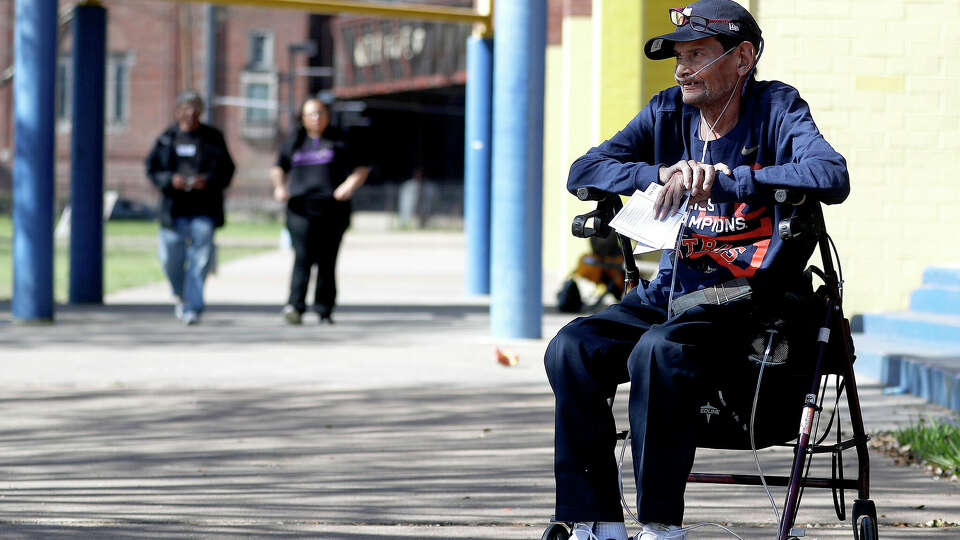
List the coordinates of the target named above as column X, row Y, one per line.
column 834, row 356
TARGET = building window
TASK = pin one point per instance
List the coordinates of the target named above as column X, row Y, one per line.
column 64, row 89
column 117, row 90
column 117, row 106
column 259, row 91
column 119, row 111
column 261, row 50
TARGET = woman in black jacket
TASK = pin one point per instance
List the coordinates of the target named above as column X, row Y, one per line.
column 316, row 174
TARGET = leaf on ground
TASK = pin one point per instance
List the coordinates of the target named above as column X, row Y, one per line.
column 506, row 357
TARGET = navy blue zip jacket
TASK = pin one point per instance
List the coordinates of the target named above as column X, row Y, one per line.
column 775, row 144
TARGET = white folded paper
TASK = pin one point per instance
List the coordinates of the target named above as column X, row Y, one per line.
column 637, row 220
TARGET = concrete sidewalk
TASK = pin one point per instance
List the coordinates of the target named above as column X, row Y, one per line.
column 396, row 422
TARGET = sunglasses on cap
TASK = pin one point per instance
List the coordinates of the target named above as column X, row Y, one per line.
column 700, row 24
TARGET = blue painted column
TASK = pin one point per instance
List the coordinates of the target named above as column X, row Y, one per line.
column 516, row 306
column 477, row 163
column 35, row 63
column 86, row 154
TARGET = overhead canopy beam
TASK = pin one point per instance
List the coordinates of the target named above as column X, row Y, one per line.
column 400, row 10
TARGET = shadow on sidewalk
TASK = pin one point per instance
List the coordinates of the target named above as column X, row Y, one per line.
column 307, row 462
column 152, row 325
column 173, row 463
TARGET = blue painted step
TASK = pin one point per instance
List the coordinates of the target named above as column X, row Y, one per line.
column 947, row 275
column 940, row 299
column 917, row 351
column 940, row 292
column 936, row 379
column 913, row 326
column 875, row 354
column 923, row 368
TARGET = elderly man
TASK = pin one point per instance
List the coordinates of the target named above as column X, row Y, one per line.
column 191, row 167
column 727, row 141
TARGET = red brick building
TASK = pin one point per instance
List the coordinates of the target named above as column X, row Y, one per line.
column 6, row 102
column 404, row 81
column 157, row 49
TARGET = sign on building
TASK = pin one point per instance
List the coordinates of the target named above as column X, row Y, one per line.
column 377, row 56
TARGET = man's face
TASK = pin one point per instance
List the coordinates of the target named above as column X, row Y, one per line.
column 188, row 116
column 714, row 84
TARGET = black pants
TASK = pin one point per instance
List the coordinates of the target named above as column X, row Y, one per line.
column 316, row 237
column 681, row 373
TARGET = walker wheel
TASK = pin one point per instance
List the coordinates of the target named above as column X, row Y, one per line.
column 864, row 520
column 868, row 528
column 556, row 531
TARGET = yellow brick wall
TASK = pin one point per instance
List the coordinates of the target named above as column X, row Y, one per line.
column 883, row 81
column 657, row 74
column 577, row 95
column 567, row 135
column 617, row 64
column 597, row 80
column 554, row 171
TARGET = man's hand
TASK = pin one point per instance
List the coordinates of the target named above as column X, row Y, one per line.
column 179, row 181
column 690, row 175
column 198, row 182
column 183, row 183
column 675, row 180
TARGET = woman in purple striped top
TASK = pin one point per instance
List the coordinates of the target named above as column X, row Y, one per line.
column 316, row 174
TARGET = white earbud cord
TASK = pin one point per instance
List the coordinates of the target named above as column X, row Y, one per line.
column 753, row 417
column 703, row 156
column 697, row 72
column 673, row 281
column 686, row 211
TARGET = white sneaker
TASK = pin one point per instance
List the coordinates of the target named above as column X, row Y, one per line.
column 178, row 310
column 659, row 531
column 190, row 318
column 583, row 531
column 291, row 315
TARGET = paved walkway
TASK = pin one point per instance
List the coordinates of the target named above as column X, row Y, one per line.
column 395, row 423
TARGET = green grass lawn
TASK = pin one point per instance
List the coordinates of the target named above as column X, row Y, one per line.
column 130, row 252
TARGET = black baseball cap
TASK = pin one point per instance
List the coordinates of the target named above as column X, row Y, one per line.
column 703, row 19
